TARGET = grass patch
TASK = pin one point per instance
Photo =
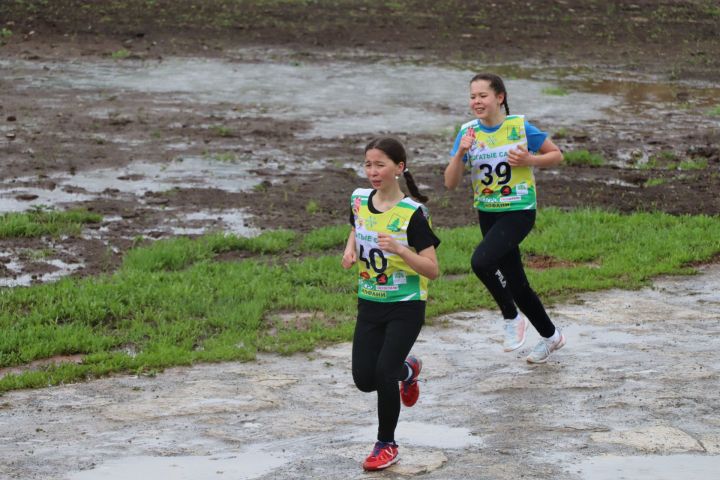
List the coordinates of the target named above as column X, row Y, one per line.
column 654, row 182
column 224, row 157
column 555, row 91
column 561, row 133
column 312, row 207
column 583, row 157
column 171, row 303
column 41, row 221
column 715, row 111
column 221, row 131
column 693, row 164
column 120, row 54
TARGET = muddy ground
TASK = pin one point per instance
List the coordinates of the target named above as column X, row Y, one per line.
column 594, row 399
column 667, row 51
column 632, row 395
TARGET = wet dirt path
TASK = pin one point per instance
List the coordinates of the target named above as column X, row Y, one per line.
column 189, row 145
column 635, row 388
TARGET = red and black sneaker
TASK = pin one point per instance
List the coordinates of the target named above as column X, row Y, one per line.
column 409, row 389
column 383, row 455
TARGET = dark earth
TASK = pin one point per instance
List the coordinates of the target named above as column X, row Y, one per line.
column 673, row 42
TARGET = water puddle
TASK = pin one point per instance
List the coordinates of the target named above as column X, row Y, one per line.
column 135, row 179
column 19, row 279
column 236, row 466
column 338, row 98
column 198, row 223
column 654, row 467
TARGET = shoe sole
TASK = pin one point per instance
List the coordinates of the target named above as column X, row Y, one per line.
column 522, row 342
column 418, row 362
column 560, row 344
column 382, row 467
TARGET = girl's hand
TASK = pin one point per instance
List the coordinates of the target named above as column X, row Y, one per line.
column 388, row 244
column 520, row 157
column 467, row 140
column 349, row 258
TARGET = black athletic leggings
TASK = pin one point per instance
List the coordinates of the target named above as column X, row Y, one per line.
column 384, row 335
column 497, row 263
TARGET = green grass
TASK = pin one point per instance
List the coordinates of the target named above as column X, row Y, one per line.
column 693, row 164
column 221, row 131
column 175, row 303
column 120, row 54
column 653, row 182
column 715, row 111
column 40, row 221
column 312, row 207
column 561, row 133
column 583, row 157
column 555, row 91
column 224, row 157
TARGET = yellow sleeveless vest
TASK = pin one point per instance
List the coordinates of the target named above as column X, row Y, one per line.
column 498, row 187
column 383, row 276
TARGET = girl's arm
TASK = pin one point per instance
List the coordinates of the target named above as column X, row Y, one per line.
column 455, row 169
column 424, row 262
column 548, row 155
column 349, row 255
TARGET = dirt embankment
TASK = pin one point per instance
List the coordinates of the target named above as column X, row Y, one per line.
column 677, row 38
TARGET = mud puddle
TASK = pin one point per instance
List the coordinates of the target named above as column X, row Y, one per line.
column 671, row 467
column 135, row 140
column 337, row 98
column 633, row 392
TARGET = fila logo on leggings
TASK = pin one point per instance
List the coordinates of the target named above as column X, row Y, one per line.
column 500, row 278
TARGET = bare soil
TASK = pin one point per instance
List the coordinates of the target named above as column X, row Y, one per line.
column 675, row 40
column 637, row 380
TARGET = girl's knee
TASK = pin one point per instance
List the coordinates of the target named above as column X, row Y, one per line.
column 482, row 265
column 364, row 382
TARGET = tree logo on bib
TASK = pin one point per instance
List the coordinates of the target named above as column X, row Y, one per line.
column 394, row 225
column 513, row 134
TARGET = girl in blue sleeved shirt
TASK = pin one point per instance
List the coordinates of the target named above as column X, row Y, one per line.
column 500, row 151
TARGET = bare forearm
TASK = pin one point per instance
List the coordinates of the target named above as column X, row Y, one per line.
column 350, row 244
column 425, row 265
column 454, row 171
column 547, row 159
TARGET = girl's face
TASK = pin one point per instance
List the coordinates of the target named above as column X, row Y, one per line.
column 484, row 102
column 380, row 170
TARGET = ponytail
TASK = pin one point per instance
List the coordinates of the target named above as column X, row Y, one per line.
column 412, row 186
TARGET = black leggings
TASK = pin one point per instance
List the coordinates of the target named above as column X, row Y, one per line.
column 497, row 263
column 384, row 335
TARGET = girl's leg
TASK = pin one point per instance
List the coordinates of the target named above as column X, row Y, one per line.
column 404, row 322
column 368, row 340
column 497, row 262
column 502, row 233
column 524, row 296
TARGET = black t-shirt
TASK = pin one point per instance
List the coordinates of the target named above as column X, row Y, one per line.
column 419, row 234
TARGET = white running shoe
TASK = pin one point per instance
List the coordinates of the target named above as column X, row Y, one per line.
column 544, row 348
column 515, row 331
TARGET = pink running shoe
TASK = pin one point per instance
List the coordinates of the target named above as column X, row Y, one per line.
column 383, row 455
column 409, row 389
